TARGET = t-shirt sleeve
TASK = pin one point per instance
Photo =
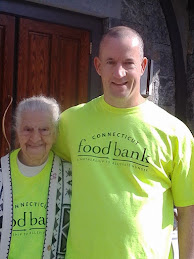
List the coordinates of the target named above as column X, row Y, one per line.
column 183, row 173
column 61, row 146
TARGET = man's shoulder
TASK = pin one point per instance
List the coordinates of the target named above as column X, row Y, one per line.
column 156, row 111
column 164, row 120
column 81, row 108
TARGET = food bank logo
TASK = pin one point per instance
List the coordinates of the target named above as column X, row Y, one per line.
column 113, row 151
column 29, row 220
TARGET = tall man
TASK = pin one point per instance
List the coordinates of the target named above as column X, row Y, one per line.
column 132, row 161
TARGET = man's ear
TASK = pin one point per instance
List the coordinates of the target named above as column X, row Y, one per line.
column 97, row 64
column 143, row 65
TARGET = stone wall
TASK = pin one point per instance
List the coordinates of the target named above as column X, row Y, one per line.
column 181, row 13
column 147, row 18
column 100, row 8
column 190, row 73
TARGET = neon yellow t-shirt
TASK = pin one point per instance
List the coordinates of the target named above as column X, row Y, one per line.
column 29, row 210
column 129, row 166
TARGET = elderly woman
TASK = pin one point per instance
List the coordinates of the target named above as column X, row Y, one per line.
column 35, row 187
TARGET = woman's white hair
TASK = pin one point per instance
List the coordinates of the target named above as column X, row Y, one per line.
column 38, row 103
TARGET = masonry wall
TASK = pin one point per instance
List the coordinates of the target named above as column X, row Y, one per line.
column 190, row 73
column 100, row 8
column 147, row 17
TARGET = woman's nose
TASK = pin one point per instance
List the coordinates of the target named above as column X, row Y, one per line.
column 35, row 136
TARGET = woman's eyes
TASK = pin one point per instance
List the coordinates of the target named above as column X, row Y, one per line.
column 42, row 131
column 28, row 129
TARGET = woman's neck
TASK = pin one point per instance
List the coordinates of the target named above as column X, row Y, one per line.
column 30, row 161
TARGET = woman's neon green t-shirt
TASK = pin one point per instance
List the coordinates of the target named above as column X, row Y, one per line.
column 29, row 210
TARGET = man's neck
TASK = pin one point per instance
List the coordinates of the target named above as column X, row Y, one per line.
column 125, row 103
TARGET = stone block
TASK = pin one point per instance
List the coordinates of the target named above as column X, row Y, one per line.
column 163, row 55
column 100, row 8
column 132, row 10
column 166, row 91
column 190, row 101
column 190, row 66
column 158, row 32
column 191, row 20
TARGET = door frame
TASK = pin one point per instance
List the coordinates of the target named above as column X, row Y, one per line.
column 62, row 17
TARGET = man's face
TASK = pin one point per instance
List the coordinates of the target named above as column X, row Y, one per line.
column 120, row 67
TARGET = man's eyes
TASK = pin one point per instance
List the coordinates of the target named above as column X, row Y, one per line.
column 110, row 62
column 128, row 63
column 125, row 64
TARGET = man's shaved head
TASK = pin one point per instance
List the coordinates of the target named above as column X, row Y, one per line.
column 122, row 32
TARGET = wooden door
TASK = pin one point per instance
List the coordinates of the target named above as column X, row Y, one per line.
column 7, row 34
column 53, row 60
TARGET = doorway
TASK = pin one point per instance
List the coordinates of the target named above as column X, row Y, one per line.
column 52, row 60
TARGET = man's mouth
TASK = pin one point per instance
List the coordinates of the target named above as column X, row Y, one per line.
column 119, row 84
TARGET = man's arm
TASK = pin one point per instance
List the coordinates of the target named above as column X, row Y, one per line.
column 61, row 145
column 186, row 232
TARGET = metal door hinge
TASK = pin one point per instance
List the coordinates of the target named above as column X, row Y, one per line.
column 90, row 48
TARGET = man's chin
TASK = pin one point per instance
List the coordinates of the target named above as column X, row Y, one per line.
column 122, row 95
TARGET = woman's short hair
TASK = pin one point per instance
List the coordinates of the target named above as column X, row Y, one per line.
column 38, row 103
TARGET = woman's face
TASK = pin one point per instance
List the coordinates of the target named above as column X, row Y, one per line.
column 36, row 135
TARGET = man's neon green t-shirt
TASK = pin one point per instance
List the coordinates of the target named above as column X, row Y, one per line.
column 29, row 210
column 130, row 166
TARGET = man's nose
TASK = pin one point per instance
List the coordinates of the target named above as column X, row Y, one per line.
column 119, row 71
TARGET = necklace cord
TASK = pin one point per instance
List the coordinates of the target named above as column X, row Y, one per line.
column 3, row 122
